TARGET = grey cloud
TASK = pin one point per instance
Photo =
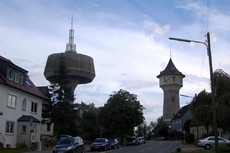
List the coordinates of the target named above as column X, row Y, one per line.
column 137, row 84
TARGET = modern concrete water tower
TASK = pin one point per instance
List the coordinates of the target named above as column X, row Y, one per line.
column 171, row 80
column 79, row 67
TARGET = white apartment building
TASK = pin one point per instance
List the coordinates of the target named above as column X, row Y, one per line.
column 20, row 108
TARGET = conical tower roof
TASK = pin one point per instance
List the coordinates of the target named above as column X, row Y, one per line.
column 170, row 70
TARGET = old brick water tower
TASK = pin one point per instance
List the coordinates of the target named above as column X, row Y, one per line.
column 171, row 80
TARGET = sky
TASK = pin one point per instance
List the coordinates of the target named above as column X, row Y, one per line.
column 128, row 40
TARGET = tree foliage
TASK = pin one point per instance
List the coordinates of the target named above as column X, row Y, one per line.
column 61, row 78
column 161, row 128
column 121, row 113
column 89, row 124
column 201, row 108
column 142, row 129
column 61, row 112
column 222, row 95
column 63, row 116
column 201, row 105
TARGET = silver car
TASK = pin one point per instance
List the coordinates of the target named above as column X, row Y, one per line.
column 209, row 142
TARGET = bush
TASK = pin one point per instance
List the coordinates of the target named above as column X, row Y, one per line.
column 189, row 138
column 224, row 148
column 174, row 134
column 21, row 145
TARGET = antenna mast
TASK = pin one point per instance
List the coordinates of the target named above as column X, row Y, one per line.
column 71, row 47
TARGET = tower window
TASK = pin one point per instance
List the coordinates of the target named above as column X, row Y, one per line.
column 173, row 98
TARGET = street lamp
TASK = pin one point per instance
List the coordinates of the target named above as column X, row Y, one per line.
column 208, row 46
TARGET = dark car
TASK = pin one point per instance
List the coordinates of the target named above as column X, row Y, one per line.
column 69, row 145
column 114, row 143
column 132, row 140
column 100, row 144
column 141, row 140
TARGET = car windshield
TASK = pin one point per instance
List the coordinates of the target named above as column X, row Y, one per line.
column 130, row 139
column 112, row 140
column 65, row 141
column 100, row 140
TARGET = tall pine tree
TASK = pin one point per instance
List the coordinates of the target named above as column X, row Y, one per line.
column 62, row 112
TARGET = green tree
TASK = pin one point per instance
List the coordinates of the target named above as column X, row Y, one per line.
column 161, row 128
column 201, row 105
column 61, row 78
column 142, row 129
column 201, row 108
column 90, row 123
column 62, row 110
column 222, row 95
column 63, row 117
column 187, row 125
column 121, row 113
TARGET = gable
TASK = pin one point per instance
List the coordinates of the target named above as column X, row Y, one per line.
column 25, row 85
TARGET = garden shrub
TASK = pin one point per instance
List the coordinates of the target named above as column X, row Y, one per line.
column 21, row 145
column 189, row 138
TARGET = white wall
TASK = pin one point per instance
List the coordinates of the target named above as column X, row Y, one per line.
column 12, row 114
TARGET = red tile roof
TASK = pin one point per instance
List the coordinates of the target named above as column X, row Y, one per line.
column 12, row 64
column 28, row 86
column 2, row 79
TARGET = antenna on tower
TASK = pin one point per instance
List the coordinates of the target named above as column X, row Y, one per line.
column 71, row 47
column 72, row 22
column 170, row 51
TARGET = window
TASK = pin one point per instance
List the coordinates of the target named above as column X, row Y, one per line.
column 11, row 75
column 48, row 126
column 18, row 77
column 11, row 101
column 34, row 107
column 23, row 128
column 15, row 76
column 24, row 104
column 9, row 127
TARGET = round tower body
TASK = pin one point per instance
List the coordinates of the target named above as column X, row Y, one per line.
column 79, row 68
column 171, row 81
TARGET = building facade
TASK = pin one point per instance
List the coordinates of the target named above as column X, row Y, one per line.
column 171, row 80
column 20, row 108
column 178, row 120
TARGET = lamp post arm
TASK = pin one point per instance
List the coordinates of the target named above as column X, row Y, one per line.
column 189, row 40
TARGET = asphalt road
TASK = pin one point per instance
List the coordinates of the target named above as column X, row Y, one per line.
column 148, row 147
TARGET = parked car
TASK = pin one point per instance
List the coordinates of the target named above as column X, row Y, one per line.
column 114, row 143
column 132, row 140
column 100, row 144
column 69, row 145
column 141, row 140
column 209, row 142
